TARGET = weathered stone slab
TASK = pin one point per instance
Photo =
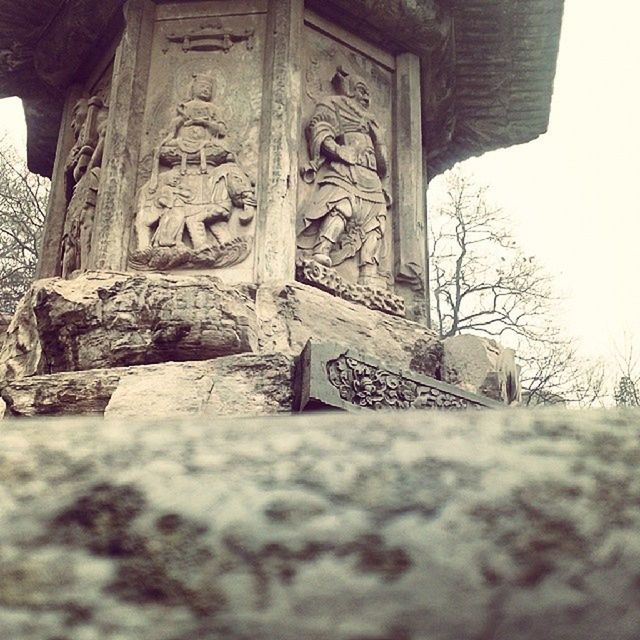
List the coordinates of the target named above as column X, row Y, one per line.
column 498, row 525
column 69, row 393
column 236, row 385
column 21, row 351
column 481, row 365
column 291, row 315
column 107, row 320
column 331, row 375
column 102, row 320
column 5, row 321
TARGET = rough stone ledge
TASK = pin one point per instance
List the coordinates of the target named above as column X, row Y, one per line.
column 103, row 320
column 244, row 384
column 501, row 526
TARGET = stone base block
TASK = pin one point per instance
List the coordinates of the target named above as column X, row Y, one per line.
column 102, row 320
column 481, row 365
column 236, row 385
column 290, row 316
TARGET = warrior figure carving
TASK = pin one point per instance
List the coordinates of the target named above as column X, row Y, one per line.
column 82, row 179
column 345, row 216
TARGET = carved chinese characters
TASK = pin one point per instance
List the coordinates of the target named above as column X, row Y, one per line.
column 82, row 179
column 346, row 216
column 192, row 211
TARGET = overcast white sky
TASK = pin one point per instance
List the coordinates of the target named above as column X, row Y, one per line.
column 573, row 193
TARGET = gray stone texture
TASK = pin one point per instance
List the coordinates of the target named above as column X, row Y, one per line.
column 479, row 365
column 103, row 320
column 493, row 525
column 289, row 316
column 242, row 385
column 5, row 321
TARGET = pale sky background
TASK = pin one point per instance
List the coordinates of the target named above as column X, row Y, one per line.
column 573, row 193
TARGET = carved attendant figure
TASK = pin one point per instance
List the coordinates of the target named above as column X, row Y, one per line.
column 195, row 133
column 346, row 216
column 82, row 179
column 197, row 207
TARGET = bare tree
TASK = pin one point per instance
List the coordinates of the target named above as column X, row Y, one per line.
column 23, row 201
column 484, row 283
column 627, row 385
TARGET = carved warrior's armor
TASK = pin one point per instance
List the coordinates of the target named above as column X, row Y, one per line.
column 349, row 206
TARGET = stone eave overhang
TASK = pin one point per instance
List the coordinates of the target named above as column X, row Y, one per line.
column 488, row 65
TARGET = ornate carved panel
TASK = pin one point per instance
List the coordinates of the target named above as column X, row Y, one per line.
column 330, row 375
column 345, row 199
column 196, row 204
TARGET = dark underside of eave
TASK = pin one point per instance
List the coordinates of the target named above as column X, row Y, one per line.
column 505, row 62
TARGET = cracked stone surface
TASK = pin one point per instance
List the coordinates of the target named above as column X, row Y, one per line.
column 289, row 316
column 245, row 384
column 507, row 525
column 102, row 320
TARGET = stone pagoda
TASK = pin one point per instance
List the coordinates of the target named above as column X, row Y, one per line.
column 237, row 219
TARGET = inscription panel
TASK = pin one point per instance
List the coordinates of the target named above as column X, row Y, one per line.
column 196, row 181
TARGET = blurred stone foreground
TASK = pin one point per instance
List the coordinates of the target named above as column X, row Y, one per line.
column 416, row 526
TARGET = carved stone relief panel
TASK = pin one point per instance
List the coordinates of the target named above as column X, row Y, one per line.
column 82, row 173
column 196, row 204
column 345, row 199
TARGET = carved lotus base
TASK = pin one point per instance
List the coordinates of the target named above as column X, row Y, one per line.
column 327, row 279
column 165, row 258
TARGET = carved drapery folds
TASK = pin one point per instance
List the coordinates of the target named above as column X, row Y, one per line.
column 346, row 215
column 82, row 179
column 197, row 207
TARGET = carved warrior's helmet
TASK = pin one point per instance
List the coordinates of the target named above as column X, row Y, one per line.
column 202, row 82
column 352, row 86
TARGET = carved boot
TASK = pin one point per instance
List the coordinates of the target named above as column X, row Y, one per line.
column 369, row 277
column 332, row 228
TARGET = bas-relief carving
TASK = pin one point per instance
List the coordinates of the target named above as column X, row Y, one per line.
column 192, row 209
column 196, row 204
column 82, row 179
column 211, row 37
column 345, row 217
column 345, row 238
column 312, row 272
column 367, row 386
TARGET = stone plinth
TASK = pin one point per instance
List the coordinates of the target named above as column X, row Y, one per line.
column 234, row 385
column 502, row 525
column 482, row 365
column 102, row 320
column 104, row 342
